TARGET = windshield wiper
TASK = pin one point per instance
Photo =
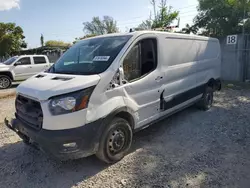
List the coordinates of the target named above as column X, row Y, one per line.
column 63, row 72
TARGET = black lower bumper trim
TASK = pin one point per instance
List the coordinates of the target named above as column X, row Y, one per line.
column 85, row 139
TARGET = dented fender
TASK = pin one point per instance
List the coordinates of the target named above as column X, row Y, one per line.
column 111, row 106
column 101, row 111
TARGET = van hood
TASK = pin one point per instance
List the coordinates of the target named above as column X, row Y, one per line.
column 46, row 85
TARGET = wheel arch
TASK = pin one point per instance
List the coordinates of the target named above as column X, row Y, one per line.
column 6, row 73
column 211, row 82
column 123, row 112
column 214, row 83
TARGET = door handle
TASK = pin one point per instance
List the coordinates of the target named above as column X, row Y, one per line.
column 30, row 67
column 159, row 78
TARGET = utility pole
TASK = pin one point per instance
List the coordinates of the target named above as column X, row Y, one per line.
column 245, row 63
column 42, row 40
column 153, row 3
column 244, row 17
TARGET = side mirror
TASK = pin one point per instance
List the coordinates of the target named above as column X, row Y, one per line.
column 17, row 63
column 121, row 75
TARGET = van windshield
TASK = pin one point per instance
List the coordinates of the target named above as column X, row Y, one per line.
column 90, row 56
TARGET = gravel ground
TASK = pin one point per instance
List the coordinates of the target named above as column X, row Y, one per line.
column 7, row 108
column 9, row 91
column 190, row 149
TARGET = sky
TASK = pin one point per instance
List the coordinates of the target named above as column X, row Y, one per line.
column 62, row 19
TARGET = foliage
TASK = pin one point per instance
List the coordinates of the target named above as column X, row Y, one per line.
column 42, row 50
column 100, row 27
column 162, row 18
column 165, row 16
column 84, row 37
column 222, row 17
column 42, row 40
column 145, row 25
column 55, row 43
column 189, row 29
column 11, row 38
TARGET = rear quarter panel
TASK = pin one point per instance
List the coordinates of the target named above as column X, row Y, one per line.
column 209, row 60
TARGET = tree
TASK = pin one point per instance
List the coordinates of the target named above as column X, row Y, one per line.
column 42, row 40
column 162, row 18
column 165, row 16
column 222, row 17
column 84, row 37
column 100, row 27
column 55, row 43
column 154, row 7
column 11, row 39
column 189, row 29
column 145, row 25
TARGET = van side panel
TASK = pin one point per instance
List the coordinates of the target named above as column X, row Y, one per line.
column 185, row 64
column 209, row 62
column 179, row 66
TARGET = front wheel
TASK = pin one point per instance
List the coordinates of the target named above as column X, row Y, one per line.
column 207, row 99
column 5, row 82
column 115, row 141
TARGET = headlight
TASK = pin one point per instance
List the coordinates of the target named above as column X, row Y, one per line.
column 70, row 102
column 67, row 103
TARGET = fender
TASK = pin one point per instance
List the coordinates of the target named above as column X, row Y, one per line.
column 98, row 112
column 108, row 106
column 8, row 72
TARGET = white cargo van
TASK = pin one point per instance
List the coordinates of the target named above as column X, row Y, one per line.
column 105, row 88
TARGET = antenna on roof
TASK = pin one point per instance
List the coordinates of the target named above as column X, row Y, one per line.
column 130, row 30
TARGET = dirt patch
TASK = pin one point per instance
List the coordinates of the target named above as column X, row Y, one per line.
column 190, row 149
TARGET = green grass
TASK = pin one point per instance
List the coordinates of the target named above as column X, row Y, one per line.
column 235, row 85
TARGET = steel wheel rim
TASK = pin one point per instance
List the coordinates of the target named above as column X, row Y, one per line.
column 117, row 141
column 4, row 82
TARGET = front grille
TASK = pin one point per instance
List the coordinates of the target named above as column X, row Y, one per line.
column 29, row 112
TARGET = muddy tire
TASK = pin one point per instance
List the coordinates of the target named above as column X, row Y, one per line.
column 207, row 99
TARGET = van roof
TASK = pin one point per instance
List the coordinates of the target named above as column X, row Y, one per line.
column 138, row 33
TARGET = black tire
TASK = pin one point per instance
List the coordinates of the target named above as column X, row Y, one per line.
column 207, row 99
column 5, row 82
column 118, row 130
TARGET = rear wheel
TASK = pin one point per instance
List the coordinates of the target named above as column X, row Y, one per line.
column 5, row 82
column 207, row 99
column 116, row 141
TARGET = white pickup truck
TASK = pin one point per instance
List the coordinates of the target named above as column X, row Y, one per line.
column 22, row 67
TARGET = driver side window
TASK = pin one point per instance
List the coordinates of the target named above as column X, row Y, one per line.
column 131, row 64
column 141, row 60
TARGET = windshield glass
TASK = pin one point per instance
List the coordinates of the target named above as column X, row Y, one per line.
column 10, row 61
column 90, row 56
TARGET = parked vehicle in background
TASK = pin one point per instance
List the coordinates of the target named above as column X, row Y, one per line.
column 105, row 88
column 20, row 68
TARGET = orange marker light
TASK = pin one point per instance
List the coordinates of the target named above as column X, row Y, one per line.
column 84, row 103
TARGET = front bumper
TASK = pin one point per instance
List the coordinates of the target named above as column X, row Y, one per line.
column 83, row 141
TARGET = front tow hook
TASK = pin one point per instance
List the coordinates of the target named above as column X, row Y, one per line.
column 12, row 126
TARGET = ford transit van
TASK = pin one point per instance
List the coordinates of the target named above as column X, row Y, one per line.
column 105, row 88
